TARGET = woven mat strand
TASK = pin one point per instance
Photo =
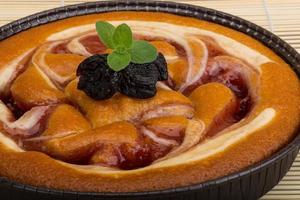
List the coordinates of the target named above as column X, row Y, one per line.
column 281, row 17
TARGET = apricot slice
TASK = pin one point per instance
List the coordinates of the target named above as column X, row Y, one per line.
column 33, row 88
column 178, row 70
column 177, row 65
column 168, row 50
column 60, row 68
column 121, row 107
column 63, row 65
column 106, row 156
column 214, row 104
column 172, row 127
column 82, row 145
column 65, row 119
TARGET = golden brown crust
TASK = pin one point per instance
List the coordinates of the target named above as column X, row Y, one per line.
column 277, row 81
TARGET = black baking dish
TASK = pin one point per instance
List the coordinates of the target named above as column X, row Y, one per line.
column 252, row 183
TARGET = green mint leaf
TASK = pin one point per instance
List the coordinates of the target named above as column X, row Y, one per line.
column 118, row 61
column 121, row 49
column 105, row 32
column 142, row 52
column 122, row 36
column 125, row 49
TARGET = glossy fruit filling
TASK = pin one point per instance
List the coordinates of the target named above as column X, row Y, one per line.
column 44, row 110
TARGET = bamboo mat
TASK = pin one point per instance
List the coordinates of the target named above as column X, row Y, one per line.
column 279, row 16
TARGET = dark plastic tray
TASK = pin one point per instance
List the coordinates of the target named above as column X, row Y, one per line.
column 250, row 184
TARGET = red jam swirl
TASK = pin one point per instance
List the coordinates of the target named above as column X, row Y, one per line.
column 146, row 150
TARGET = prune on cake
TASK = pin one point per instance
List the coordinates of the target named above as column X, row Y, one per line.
column 99, row 81
column 139, row 80
column 161, row 65
column 96, row 79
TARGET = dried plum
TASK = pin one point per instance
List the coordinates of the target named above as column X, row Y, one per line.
column 161, row 66
column 138, row 81
column 98, row 81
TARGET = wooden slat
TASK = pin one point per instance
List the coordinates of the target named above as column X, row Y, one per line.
column 283, row 14
column 13, row 10
column 286, row 20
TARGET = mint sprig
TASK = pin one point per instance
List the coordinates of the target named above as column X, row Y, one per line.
column 142, row 52
column 124, row 48
column 122, row 36
column 105, row 31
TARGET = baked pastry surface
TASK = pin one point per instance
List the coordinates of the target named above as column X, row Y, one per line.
column 229, row 103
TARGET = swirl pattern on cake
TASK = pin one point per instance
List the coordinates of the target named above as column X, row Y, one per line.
column 224, row 93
